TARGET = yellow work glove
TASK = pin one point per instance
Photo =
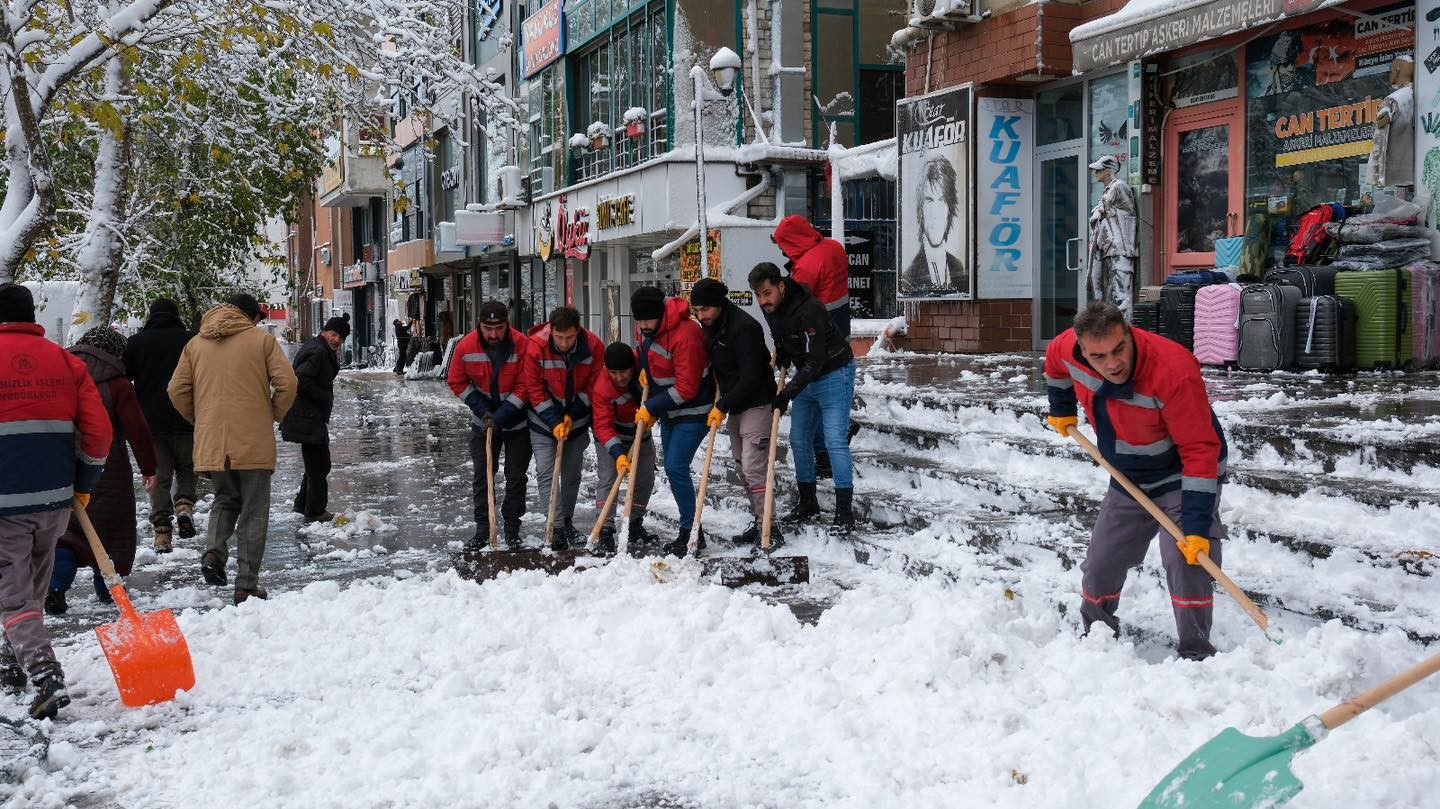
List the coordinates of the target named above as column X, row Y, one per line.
column 83, row 498
column 644, row 380
column 622, row 465
column 643, row 419
column 1063, row 424
column 715, row 419
column 562, row 430
column 1193, row 546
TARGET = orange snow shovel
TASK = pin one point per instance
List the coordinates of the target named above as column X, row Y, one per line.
column 147, row 653
column 1250, row 608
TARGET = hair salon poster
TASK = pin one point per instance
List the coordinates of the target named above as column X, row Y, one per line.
column 934, row 242
column 1004, row 134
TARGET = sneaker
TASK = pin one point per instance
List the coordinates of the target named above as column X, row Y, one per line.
column 50, row 696
column 55, row 603
column 162, row 539
column 323, row 516
column 186, row 523
column 241, row 596
column 213, row 570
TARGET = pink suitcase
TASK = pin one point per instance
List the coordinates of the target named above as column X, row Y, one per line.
column 1217, row 324
column 1424, row 314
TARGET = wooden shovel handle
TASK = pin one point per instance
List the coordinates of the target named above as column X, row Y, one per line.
column 605, row 512
column 769, row 517
column 1351, row 708
column 107, row 568
column 635, row 455
column 490, row 484
column 692, row 543
column 554, row 491
column 1170, row 527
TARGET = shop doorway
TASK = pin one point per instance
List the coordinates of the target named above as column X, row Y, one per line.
column 1204, row 184
column 1060, row 168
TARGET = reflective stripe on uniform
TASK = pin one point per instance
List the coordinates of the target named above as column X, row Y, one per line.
column 1083, row 376
column 1194, row 484
column 28, row 499
column 37, row 426
column 1154, row 448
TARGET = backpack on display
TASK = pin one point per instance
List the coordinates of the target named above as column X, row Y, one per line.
column 1311, row 241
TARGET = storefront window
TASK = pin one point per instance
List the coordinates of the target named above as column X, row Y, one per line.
column 1109, row 129
column 1201, row 78
column 412, row 197
column 1060, row 115
column 1203, row 194
column 547, row 129
column 626, row 67
column 1311, row 97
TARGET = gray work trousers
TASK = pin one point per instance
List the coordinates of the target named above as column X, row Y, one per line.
column 27, row 553
column 242, row 508
column 174, row 467
column 572, row 464
column 750, row 445
column 644, row 481
column 1119, row 542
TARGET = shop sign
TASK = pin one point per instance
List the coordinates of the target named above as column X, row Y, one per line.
column 545, row 231
column 544, row 36
column 450, row 178
column 572, row 232
column 1004, row 197
column 614, row 212
column 1194, row 23
column 402, row 281
column 934, row 240
column 690, row 262
column 1326, row 134
column 860, row 250
column 1136, row 103
column 352, row 273
column 1150, row 126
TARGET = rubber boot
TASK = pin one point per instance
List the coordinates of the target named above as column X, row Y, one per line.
column 606, row 543
column 844, row 513
column 806, row 507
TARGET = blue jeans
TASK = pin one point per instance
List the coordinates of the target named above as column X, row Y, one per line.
column 823, row 409
column 679, row 441
column 62, row 575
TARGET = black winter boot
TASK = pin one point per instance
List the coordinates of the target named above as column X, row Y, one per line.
column 55, row 603
column 844, row 513
column 681, row 546
column 50, row 695
column 606, row 544
column 512, row 537
column 751, row 535
column 12, row 676
column 639, row 537
column 806, row 506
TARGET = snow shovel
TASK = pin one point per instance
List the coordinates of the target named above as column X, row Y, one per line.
column 614, row 495
column 634, row 469
column 147, row 653
column 693, row 545
column 734, row 571
column 1234, row 770
column 1250, row 608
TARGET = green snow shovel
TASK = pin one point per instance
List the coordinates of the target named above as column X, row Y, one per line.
column 1235, row 771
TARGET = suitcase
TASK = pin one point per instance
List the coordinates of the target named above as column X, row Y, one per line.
column 1217, row 321
column 1147, row 316
column 1378, row 325
column 1325, row 333
column 1177, row 314
column 1198, row 277
column 1267, row 327
column 1424, row 319
column 1150, row 294
column 1312, row 281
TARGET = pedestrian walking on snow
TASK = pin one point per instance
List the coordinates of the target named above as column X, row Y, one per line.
column 746, row 380
column 615, row 398
column 112, row 503
column 673, row 355
column 821, row 388
column 558, row 377
column 316, row 365
column 234, row 385
column 402, row 345
column 150, row 359
column 487, row 374
column 1153, row 422
column 50, row 415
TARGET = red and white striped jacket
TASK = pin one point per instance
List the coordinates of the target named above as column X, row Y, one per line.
column 491, row 387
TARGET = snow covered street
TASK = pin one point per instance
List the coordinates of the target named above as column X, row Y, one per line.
column 934, row 661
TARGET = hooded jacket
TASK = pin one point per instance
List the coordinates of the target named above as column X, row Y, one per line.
column 490, row 379
column 52, row 417
column 234, row 384
column 558, row 385
column 806, row 338
column 150, row 359
column 677, row 361
column 740, row 361
column 820, row 264
column 316, row 367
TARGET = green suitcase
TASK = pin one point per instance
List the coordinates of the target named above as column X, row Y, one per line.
column 1405, row 344
column 1377, row 308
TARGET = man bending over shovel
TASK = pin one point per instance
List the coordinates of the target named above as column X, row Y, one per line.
column 1153, row 422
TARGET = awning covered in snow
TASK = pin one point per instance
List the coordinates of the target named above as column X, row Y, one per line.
column 1147, row 27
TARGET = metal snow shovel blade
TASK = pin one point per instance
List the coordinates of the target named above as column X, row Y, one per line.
column 1233, row 589
column 1235, row 771
column 147, row 653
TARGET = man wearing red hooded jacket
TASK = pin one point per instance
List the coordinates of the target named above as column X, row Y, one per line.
column 820, row 264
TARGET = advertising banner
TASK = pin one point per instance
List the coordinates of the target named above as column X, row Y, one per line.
column 544, row 38
column 1004, row 197
column 934, row 242
column 860, row 250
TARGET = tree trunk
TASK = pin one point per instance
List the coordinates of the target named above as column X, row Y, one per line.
column 29, row 195
column 99, row 257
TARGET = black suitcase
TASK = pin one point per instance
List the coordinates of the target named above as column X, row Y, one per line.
column 1177, row 314
column 1147, row 316
column 1325, row 333
column 1313, row 281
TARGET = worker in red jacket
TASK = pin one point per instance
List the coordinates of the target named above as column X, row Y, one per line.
column 675, row 355
column 1153, row 422
column 615, row 398
column 486, row 373
column 558, row 377
column 54, row 437
column 818, row 263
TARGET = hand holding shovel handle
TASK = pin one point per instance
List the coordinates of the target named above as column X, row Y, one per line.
column 1170, row 527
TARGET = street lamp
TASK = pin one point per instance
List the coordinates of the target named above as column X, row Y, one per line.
column 725, row 67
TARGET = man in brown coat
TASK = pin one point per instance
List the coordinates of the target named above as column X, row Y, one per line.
column 234, row 383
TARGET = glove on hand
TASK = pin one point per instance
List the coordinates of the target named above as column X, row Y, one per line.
column 1063, row 424
column 1193, row 546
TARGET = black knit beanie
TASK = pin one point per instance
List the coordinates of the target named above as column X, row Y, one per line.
column 708, row 292
column 619, row 357
column 17, row 305
column 647, row 303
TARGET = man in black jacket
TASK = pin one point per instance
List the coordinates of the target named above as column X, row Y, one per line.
column 317, row 363
column 821, row 387
column 150, row 360
column 740, row 365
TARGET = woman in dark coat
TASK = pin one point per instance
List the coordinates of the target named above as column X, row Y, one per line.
column 308, row 422
column 112, row 506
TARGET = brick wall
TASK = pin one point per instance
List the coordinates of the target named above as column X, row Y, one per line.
column 984, row 327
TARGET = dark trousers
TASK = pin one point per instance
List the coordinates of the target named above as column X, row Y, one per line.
column 402, row 353
column 314, row 484
column 515, row 446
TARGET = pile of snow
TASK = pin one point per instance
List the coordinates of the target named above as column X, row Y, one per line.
column 605, row 688
column 347, row 525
